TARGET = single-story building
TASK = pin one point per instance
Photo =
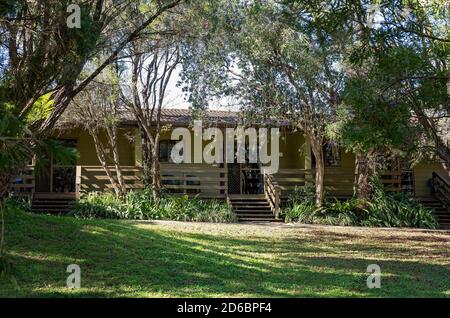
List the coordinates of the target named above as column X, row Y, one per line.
column 238, row 182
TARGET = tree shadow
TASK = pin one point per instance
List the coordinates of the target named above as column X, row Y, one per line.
column 120, row 259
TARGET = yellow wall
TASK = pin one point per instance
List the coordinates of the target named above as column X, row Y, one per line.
column 292, row 150
column 86, row 147
column 339, row 180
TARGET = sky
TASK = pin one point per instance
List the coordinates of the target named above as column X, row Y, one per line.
column 175, row 98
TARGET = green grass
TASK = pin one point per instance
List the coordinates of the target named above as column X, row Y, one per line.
column 171, row 259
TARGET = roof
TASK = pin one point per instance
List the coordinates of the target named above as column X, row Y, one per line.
column 185, row 117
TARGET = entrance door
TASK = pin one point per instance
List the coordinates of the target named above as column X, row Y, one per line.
column 252, row 179
column 234, row 178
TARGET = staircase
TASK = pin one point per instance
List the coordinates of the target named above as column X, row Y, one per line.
column 440, row 211
column 252, row 208
column 55, row 205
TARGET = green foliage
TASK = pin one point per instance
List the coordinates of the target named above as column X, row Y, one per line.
column 41, row 109
column 16, row 204
column 397, row 210
column 5, row 266
column 139, row 205
column 15, row 148
column 384, row 210
column 332, row 213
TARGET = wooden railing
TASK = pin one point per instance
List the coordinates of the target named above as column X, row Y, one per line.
column 288, row 179
column 195, row 179
column 191, row 179
column 24, row 184
column 441, row 189
column 273, row 194
column 338, row 182
column 94, row 178
column 392, row 181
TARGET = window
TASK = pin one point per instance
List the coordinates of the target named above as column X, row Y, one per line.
column 332, row 154
column 165, row 149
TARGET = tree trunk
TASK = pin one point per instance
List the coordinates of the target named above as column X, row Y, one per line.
column 146, row 159
column 320, row 171
column 156, row 180
column 2, row 227
column 112, row 132
column 102, row 158
column 5, row 180
column 363, row 174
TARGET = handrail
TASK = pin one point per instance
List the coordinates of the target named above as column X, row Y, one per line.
column 441, row 189
column 437, row 175
column 273, row 194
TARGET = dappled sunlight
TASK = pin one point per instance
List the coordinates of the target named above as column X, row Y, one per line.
column 162, row 259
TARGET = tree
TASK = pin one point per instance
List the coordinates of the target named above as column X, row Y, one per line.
column 279, row 63
column 17, row 146
column 151, row 71
column 97, row 110
column 42, row 55
column 396, row 97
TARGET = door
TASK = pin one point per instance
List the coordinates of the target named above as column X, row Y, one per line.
column 234, row 178
column 252, row 179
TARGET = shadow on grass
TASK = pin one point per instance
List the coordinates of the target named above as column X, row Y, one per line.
column 118, row 259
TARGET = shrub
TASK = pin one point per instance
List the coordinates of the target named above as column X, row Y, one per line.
column 384, row 210
column 139, row 205
column 332, row 213
column 397, row 210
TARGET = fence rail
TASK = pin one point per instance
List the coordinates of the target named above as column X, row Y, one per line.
column 273, row 194
column 24, row 184
column 336, row 181
column 195, row 179
column 210, row 180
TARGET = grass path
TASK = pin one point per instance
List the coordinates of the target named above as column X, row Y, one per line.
column 171, row 259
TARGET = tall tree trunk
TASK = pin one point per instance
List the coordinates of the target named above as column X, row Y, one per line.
column 2, row 227
column 5, row 180
column 156, row 180
column 316, row 147
column 363, row 173
column 146, row 159
column 112, row 133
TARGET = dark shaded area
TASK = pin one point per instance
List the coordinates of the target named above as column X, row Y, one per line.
column 119, row 259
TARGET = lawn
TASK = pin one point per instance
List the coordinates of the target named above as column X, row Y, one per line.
column 171, row 259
